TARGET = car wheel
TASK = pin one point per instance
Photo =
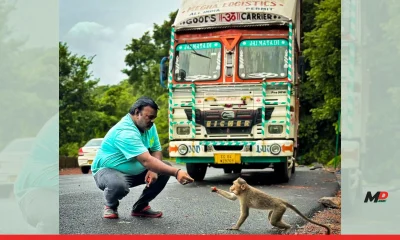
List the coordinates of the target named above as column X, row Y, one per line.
column 85, row 169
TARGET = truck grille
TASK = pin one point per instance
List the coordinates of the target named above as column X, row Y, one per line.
column 240, row 122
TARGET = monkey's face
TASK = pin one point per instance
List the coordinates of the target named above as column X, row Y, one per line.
column 235, row 188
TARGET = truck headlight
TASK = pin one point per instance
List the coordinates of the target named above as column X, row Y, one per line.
column 183, row 130
column 275, row 149
column 275, row 129
column 182, row 149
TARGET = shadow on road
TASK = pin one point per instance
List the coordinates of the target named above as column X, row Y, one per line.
column 254, row 178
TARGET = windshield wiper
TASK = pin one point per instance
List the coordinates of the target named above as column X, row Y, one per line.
column 196, row 53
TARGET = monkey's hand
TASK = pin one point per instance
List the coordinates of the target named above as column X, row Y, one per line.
column 214, row 189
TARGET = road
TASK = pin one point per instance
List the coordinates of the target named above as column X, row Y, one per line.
column 193, row 208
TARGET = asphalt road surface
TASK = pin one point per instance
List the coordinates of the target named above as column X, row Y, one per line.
column 192, row 208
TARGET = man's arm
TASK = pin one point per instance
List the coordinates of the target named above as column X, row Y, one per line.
column 157, row 154
column 131, row 146
column 154, row 164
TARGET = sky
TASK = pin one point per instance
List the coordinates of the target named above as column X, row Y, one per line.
column 103, row 28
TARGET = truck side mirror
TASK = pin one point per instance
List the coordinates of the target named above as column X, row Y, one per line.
column 163, row 71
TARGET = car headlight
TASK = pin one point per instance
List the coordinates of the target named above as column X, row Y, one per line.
column 183, row 130
column 275, row 129
column 275, row 149
column 182, row 149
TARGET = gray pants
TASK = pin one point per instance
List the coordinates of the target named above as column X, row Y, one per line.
column 116, row 185
column 40, row 208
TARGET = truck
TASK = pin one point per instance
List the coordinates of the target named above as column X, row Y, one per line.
column 233, row 79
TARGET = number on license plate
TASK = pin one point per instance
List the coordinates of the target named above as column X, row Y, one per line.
column 227, row 158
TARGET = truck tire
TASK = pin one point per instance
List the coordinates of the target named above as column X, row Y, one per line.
column 85, row 169
column 227, row 170
column 282, row 171
column 237, row 170
column 294, row 167
column 294, row 161
column 197, row 170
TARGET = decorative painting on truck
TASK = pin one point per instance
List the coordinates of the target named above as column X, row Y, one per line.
column 195, row 14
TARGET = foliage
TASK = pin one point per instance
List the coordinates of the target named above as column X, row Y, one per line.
column 338, row 160
column 321, row 96
column 78, row 115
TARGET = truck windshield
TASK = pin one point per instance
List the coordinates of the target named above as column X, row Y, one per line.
column 198, row 61
column 263, row 58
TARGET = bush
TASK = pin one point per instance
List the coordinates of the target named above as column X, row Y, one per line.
column 331, row 163
column 69, row 150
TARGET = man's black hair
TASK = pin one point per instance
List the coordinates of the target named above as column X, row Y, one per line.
column 141, row 103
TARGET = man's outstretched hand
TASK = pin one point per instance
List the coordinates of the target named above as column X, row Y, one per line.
column 184, row 178
column 150, row 178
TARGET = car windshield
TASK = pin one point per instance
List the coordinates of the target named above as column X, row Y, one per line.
column 263, row 58
column 94, row 143
column 198, row 61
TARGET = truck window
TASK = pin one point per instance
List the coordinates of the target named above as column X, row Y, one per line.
column 198, row 61
column 263, row 58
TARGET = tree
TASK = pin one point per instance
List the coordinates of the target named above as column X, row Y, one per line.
column 79, row 117
column 324, row 54
column 116, row 101
column 321, row 96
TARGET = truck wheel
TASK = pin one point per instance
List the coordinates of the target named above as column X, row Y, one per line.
column 294, row 166
column 294, row 160
column 227, row 170
column 197, row 170
column 85, row 169
column 237, row 170
column 282, row 171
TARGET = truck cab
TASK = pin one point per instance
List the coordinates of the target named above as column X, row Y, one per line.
column 233, row 86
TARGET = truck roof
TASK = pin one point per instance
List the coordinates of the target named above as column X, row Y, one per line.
column 204, row 14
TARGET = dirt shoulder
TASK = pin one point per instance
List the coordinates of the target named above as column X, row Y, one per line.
column 70, row 171
column 328, row 216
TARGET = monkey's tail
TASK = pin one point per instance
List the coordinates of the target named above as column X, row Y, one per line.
column 306, row 218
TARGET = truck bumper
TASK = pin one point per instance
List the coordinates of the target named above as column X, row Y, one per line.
column 244, row 160
column 249, row 151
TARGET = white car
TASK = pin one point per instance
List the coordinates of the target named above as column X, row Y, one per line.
column 12, row 158
column 87, row 153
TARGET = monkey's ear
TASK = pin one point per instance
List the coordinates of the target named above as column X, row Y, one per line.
column 243, row 187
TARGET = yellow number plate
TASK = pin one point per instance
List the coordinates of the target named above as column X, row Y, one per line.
column 90, row 161
column 227, row 158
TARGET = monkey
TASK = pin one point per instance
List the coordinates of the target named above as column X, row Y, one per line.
column 251, row 197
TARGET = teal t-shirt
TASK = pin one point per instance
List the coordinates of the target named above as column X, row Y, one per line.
column 122, row 144
column 40, row 170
